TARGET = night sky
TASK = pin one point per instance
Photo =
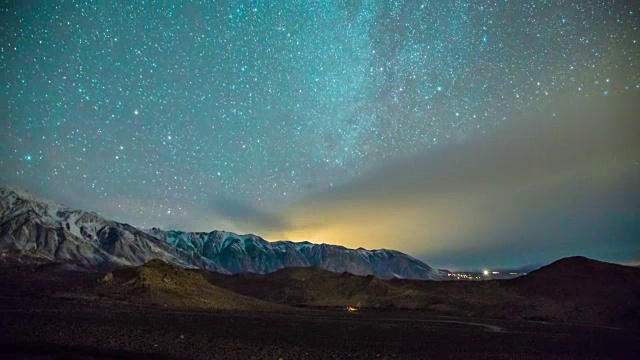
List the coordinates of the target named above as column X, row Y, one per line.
column 466, row 133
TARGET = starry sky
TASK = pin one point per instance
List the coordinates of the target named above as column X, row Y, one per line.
column 466, row 133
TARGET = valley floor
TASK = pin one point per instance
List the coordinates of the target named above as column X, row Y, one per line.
column 57, row 329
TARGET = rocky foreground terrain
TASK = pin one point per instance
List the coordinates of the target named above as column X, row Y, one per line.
column 571, row 290
column 160, row 284
column 158, row 310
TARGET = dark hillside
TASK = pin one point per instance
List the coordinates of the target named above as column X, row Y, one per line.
column 162, row 284
column 593, row 291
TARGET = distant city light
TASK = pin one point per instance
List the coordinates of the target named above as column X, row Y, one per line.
column 485, row 272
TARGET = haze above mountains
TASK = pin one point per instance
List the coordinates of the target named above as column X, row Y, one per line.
column 61, row 233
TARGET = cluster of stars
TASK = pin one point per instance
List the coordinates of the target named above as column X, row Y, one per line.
column 157, row 106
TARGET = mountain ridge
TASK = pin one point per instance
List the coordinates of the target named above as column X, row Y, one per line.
column 31, row 223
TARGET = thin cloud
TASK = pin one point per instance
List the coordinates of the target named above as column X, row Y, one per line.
column 463, row 196
column 247, row 216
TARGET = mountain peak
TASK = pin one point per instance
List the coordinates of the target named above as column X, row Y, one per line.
column 23, row 194
column 576, row 276
column 576, row 263
column 87, row 238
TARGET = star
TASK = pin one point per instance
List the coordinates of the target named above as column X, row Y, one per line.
column 153, row 104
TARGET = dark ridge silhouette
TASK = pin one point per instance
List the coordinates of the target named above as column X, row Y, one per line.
column 574, row 290
column 595, row 291
column 579, row 277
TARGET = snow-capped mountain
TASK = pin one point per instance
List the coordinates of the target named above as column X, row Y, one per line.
column 231, row 253
column 64, row 234
column 31, row 224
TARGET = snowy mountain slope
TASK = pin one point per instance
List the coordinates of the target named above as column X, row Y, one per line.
column 250, row 253
column 29, row 224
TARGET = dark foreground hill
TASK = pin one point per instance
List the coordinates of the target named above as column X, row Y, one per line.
column 583, row 278
column 57, row 310
column 313, row 287
column 589, row 291
column 169, row 286
column 575, row 290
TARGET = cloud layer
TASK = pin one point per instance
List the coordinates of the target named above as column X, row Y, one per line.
column 494, row 190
